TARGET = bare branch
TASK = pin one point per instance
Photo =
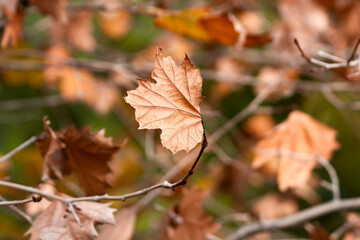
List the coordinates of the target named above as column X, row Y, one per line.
column 18, row 211
column 18, row 149
column 295, row 219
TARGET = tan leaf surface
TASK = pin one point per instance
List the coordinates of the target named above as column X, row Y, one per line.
column 56, row 223
column 78, row 151
column 171, row 104
column 124, row 226
column 54, row 8
column 188, row 220
column 300, row 133
column 13, row 30
column 273, row 206
column 34, row 208
column 205, row 25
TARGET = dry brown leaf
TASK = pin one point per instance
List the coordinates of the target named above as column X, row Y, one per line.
column 124, row 226
column 286, row 86
column 77, row 151
column 258, row 125
column 56, row 223
column 13, row 30
column 187, row 220
column 171, row 104
column 115, row 24
column 300, row 133
column 78, row 32
column 54, row 8
column 52, row 148
column 205, row 25
column 273, row 206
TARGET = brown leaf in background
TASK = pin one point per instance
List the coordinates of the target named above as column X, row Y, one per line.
column 300, row 133
column 171, row 104
column 52, row 148
column 78, row 151
column 13, row 30
column 286, row 86
column 273, row 206
column 88, row 157
column 115, row 24
column 205, row 25
column 188, row 220
column 54, row 8
column 56, row 223
column 354, row 220
column 124, row 226
column 78, row 32
column 258, row 125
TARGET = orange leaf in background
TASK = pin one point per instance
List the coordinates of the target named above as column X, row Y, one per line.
column 188, row 220
column 54, row 8
column 300, row 133
column 78, row 151
column 56, row 223
column 273, row 206
column 171, row 104
column 258, row 125
column 13, row 28
column 208, row 26
column 124, row 226
column 354, row 220
column 115, row 24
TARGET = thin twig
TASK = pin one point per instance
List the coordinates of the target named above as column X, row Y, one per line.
column 37, row 102
column 15, row 202
column 353, row 53
column 341, row 231
column 18, row 149
column 295, row 219
column 72, row 210
column 18, row 211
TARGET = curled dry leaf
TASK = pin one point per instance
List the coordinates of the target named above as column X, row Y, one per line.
column 57, row 223
column 123, row 228
column 273, row 206
column 171, row 104
column 77, row 151
column 187, row 220
column 205, row 25
column 300, row 133
column 13, row 30
column 55, row 8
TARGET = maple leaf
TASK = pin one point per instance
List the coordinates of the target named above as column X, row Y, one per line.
column 55, row 8
column 300, row 133
column 205, row 25
column 13, row 29
column 77, row 151
column 187, row 220
column 56, row 223
column 273, row 206
column 124, row 227
column 171, row 104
